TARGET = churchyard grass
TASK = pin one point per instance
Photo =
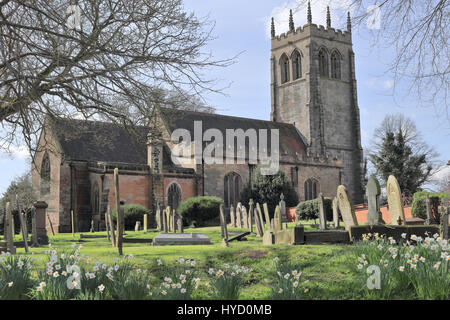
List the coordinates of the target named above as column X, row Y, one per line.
column 323, row 271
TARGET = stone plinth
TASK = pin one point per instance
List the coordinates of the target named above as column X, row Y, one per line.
column 41, row 232
column 181, row 239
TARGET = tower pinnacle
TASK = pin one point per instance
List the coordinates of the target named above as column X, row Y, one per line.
column 272, row 28
column 291, row 21
column 349, row 22
column 328, row 18
column 309, row 13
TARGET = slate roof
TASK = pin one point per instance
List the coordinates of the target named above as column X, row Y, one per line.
column 100, row 141
column 291, row 142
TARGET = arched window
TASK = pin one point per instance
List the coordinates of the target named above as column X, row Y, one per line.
column 45, row 175
column 296, row 65
column 174, row 196
column 311, row 189
column 232, row 189
column 335, row 65
column 284, row 65
column 323, row 63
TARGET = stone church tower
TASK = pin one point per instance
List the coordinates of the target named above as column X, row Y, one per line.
column 313, row 86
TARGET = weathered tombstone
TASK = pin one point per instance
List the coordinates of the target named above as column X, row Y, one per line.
column 259, row 224
column 429, row 219
column 34, row 238
column 260, row 216
column 394, row 197
column 445, row 214
column 245, row 217
column 239, row 215
column 232, row 217
column 272, row 224
column 282, row 207
column 277, row 224
column 335, row 213
column 92, row 225
column 373, row 192
column 106, row 225
column 266, row 215
column 50, row 223
column 180, row 225
column 111, row 226
column 164, row 221
column 168, row 215
column 250, row 215
column 223, row 227
column 40, row 213
column 268, row 238
column 346, row 208
column 120, row 212
column 158, row 218
column 322, row 216
column 173, row 220
column 72, row 222
column 145, row 222
column 9, row 235
column 137, row 227
column 23, row 225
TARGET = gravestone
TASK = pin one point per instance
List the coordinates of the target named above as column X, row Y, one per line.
column 245, row 217
column 445, row 214
column 283, row 208
column 271, row 224
column 373, row 192
column 40, row 213
column 268, row 238
column 120, row 213
column 277, row 224
column 137, row 227
column 394, row 197
column 266, row 215
column 145, row 222
column 181, row 239
column 239, row 215
column 34, row 239
column 167, row 217
column 322, row 216
column 158, row 218
column 429, row 219
column 232, row 217
column 164, row 221
column 111, row 226
column 23, row 224
column 180, row 225
column 223, row 227
column 9, row 234
column 259, row 224
column 346, row 208
column 260, row 216
column 335, row 213
column 251, row 212
column 173, row 220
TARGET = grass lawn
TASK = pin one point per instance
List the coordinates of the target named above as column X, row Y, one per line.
column 326, row 269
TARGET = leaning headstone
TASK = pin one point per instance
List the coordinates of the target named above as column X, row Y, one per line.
column 9, row 235
column 137, row 227
column 266, row 215
column 335, row 213
column 111, row 226
column 245, row 217
column 259, row 224
column 239, row 215
column 260, row 216
column 120, row 212
column 322, row 216
column 429, row 219
column 23, row 225
column 164, row 221
column 106, row 225
column 346, row 208
column 232, row 217
column 277, row 224
column 394, row 197
column 373, row 192
column 250, row 215
column 34, row 239
column 180, row 225
column 223, row 227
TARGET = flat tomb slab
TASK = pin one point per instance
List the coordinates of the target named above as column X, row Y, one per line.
column 180, row 239
column 327, row 236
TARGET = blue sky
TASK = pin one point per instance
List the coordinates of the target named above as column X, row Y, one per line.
column 243, row 27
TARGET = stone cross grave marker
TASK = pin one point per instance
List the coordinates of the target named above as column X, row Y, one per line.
column 373, row 192
column 429, row 219
column 277, row 224
column 245, row 217
column 260, row 216
column 232, row 217
column 322, row 216
column 346, row 208
column 335, row 213
column 9, row 233
column 251, row 212
column 266, row 215
column 223, row 227
column 239, row 215
column 137, row 227
column 394, row 197
column 180, row 225
column 164, row 221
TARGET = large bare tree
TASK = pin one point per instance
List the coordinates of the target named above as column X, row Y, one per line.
column 62, row 58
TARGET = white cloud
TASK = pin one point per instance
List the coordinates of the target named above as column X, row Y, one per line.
column 377, row 83
column 15, row 153
column 388, row 84
column 338, row 9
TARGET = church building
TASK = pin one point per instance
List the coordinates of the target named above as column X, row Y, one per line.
column 314, row 110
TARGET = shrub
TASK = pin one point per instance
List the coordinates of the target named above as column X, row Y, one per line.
column 199, row 209
column 307, row 210
column 419, row 207
column 267, row 189
column 132, row 213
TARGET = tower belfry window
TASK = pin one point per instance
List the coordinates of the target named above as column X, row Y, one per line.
column 284, row 65
column 323, row 63
column 335, row 65
column 296, row 65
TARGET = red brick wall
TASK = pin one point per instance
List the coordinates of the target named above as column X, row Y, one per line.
column 187, row 186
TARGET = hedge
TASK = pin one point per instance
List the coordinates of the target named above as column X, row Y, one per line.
column 132, row 213
column 419, row 207
column 307, row 210
column 199, row 209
